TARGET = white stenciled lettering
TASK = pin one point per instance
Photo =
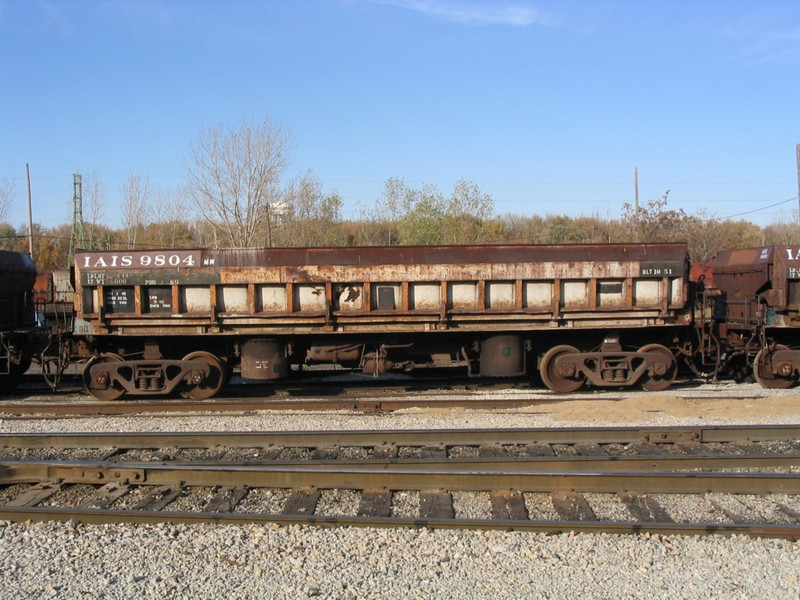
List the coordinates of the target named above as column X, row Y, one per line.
column 796, row 255
column 110, row 260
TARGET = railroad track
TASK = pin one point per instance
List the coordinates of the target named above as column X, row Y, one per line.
column 661, row 480
column 362, row 396
column 346, row 392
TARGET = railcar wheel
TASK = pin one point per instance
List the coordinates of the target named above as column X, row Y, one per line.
column 661, row 376
column 560, row 378
column 211, row 385
column 100, row 388
column 765, row 374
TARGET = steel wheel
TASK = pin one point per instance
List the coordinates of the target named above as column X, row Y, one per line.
column 554, row 375
column 658, row 381
column 766, row 376
column 98, row 389
column 212, row 384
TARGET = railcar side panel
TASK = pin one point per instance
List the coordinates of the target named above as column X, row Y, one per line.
column 396, row 290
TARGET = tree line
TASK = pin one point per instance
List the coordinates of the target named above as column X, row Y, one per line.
column 236, row 195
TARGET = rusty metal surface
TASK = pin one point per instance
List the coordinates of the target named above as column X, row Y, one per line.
column 769, row 274
column 379, row 255
column 422, row 437
column 409, row 478
column 381, row 289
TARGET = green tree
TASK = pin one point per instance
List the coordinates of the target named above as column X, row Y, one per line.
column 564, row 230
column 467, row 215
column 422, row 224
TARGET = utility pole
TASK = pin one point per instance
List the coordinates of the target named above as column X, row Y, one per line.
column 636, row 188
column 30, row 212
column 798, row 182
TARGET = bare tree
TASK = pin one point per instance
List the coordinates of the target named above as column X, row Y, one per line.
column 654, row 223
column 170, row 217
column 310, row 217
column 6, row 196
column 135, row 201
column 234, row 176
column 93, row 191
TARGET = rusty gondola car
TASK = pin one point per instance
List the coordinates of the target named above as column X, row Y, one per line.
column 162, row 321
column 758, row 312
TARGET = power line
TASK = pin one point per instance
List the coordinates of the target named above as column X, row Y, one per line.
column 755, row 210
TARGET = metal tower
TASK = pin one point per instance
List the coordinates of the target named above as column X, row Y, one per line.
column 78, row 237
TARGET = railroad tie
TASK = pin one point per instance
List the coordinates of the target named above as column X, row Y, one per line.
column 644, row 509
column 572, row 506
column 325, row 454
column 375, row 503
column 302, row 502
column 433, row 452
column 491, row 451
column 158, row 498
column 539, row 450
column 741, row 513
column 508, row 504
column 592, row 449
column 226, row 499
column 788, row 511
column 105, row 496
column 436, row 504
column 36, row 494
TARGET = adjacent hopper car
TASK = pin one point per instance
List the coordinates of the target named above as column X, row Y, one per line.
column 757, row 312
column 612, row 315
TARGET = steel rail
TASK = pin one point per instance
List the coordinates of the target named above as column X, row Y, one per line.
column 377, row 404
column 100, row 516
column 415, row 437
column 281, row 476
column 727, row 462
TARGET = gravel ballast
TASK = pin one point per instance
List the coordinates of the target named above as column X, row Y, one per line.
column 52, row 560
column 61, row 560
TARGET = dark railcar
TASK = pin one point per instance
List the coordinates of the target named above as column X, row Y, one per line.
column 153, row 322
column 759, row 310
column 17, row 317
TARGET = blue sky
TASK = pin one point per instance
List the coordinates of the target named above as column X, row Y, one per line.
column 547, row 106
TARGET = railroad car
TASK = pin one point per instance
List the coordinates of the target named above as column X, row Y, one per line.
column 54, row 297
column 163, row 321
column 18, row 328
column 757, row 315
